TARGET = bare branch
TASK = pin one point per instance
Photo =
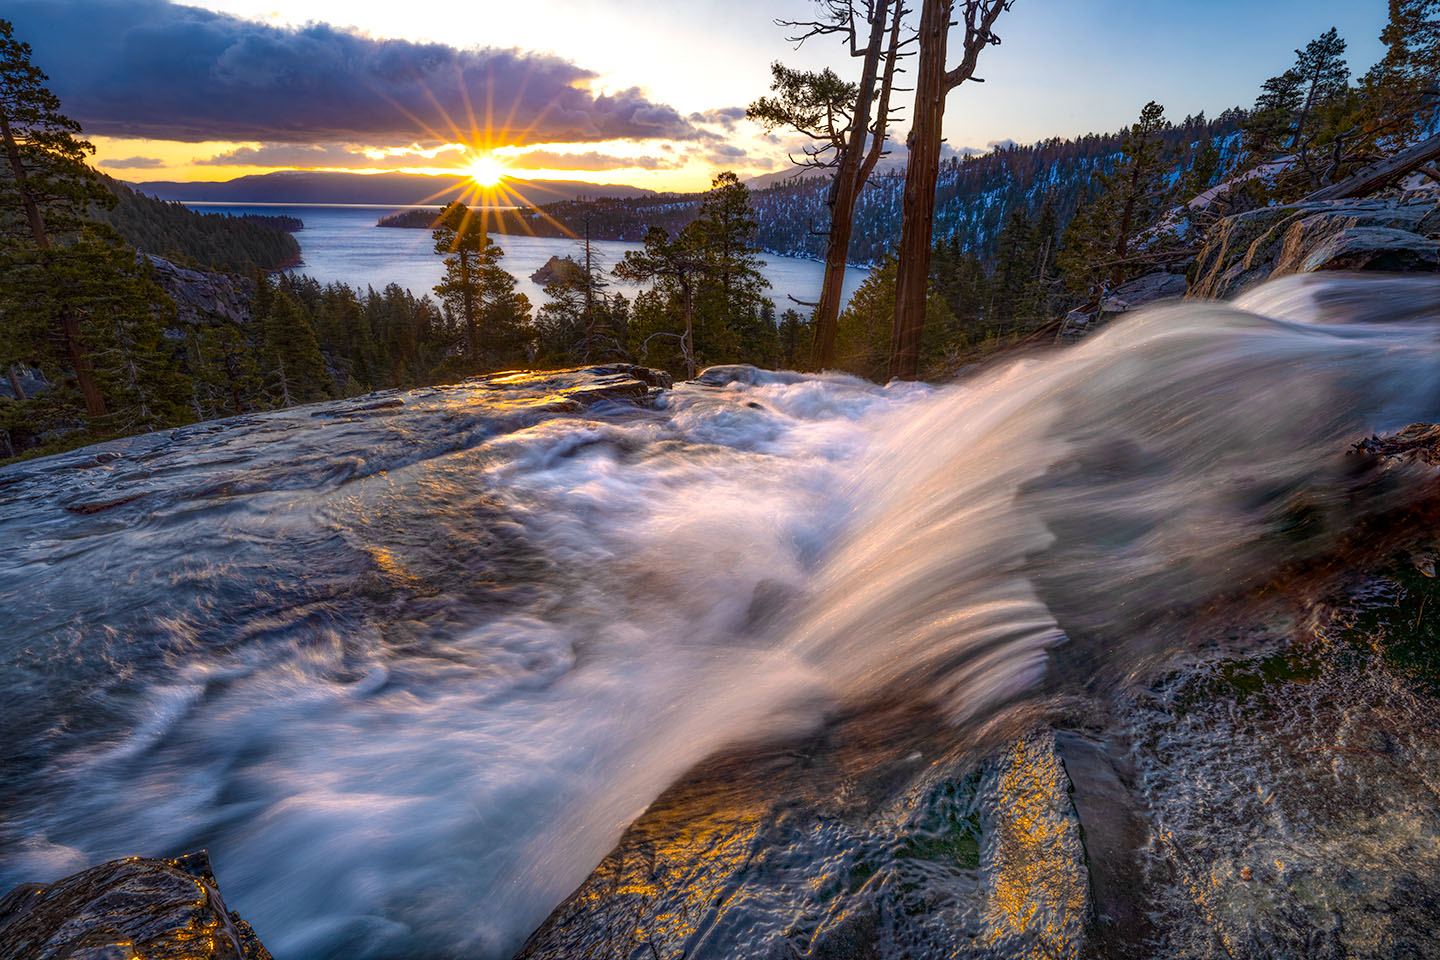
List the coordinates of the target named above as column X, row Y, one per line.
column 979, row 19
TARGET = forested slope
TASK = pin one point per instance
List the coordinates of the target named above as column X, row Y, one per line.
column 220, row 241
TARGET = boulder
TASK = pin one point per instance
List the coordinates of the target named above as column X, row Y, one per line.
column 1248, row 248
column 1150, row 288
column 1160, row 285
column 132, row 908
column 1370, row 248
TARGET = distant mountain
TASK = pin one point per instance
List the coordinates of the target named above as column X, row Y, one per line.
column 974, row 194
column 767, row 180
column 398, row 189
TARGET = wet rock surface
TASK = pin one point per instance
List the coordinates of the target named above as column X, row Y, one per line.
column 132, row 472
column 860, row 843
column 137, row 908
column 1371, row 248
column 1290, row 790
column 1275, row 796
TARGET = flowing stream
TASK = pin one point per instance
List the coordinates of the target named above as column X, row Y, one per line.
column 408, row 671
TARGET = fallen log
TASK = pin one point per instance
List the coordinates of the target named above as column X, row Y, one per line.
column 1375, row 176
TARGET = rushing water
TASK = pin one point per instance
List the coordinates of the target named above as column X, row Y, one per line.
column 409, row 671
column 341, row 244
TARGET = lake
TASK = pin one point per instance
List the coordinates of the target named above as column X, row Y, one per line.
column 342, row 244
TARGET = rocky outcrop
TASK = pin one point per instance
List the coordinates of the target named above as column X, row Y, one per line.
column 1143, row 290
column 1395, row 234
column 577, row 388
column 202, row 296
column 557, row 269
column 30, row 380
column 1419, row 441
column 1368, row 248
column 131, row 909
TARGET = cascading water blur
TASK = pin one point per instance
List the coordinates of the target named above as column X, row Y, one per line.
column 408, row 678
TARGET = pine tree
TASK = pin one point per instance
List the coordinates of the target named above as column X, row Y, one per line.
column 1307, row 114
column 725, row 233
column 1097, row 252
column 1013, row 282
column 345, row 334
column 676, row 267
column 708, row 277
column 1205, row 167
column 124, row 316
column 478, row 292
column 1271, row 123
column 460, row 236
column 794, row 335
column 223, row 361
column 45, row 189
column 295, row 369
column 505, row 313
column 560, row 324
column 1324, row 76
column 863, row 342
column 1402, row 90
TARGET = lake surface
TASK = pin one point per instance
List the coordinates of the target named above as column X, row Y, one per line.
column 342, row 244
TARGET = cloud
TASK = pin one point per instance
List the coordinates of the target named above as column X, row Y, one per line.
column 159, row 70
column 730, row 155
column 549, row 159
column 726, row 117
column 345, row 156
column 133, row 163
column 1006, row 144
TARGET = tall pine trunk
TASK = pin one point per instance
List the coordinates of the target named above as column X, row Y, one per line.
column 918, row 207
column 844, row 191
column 932, row 84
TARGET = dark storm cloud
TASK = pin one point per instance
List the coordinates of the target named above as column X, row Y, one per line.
column 155, row 69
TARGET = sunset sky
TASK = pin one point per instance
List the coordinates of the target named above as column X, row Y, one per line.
column 610, row 91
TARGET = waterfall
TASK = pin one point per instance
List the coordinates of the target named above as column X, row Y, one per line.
column 409, row 673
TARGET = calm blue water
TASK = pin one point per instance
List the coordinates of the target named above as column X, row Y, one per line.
column 341, row 244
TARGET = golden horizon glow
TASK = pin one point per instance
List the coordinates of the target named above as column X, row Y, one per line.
column 486, row 170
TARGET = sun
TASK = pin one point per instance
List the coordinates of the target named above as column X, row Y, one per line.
column 485, row 170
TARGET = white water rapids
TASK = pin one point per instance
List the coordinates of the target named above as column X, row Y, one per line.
column 409, row 677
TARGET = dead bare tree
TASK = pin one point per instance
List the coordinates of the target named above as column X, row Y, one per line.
column 848, row 124
column 932, row 84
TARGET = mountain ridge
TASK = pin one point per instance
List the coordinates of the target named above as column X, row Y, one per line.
column 391, row 189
